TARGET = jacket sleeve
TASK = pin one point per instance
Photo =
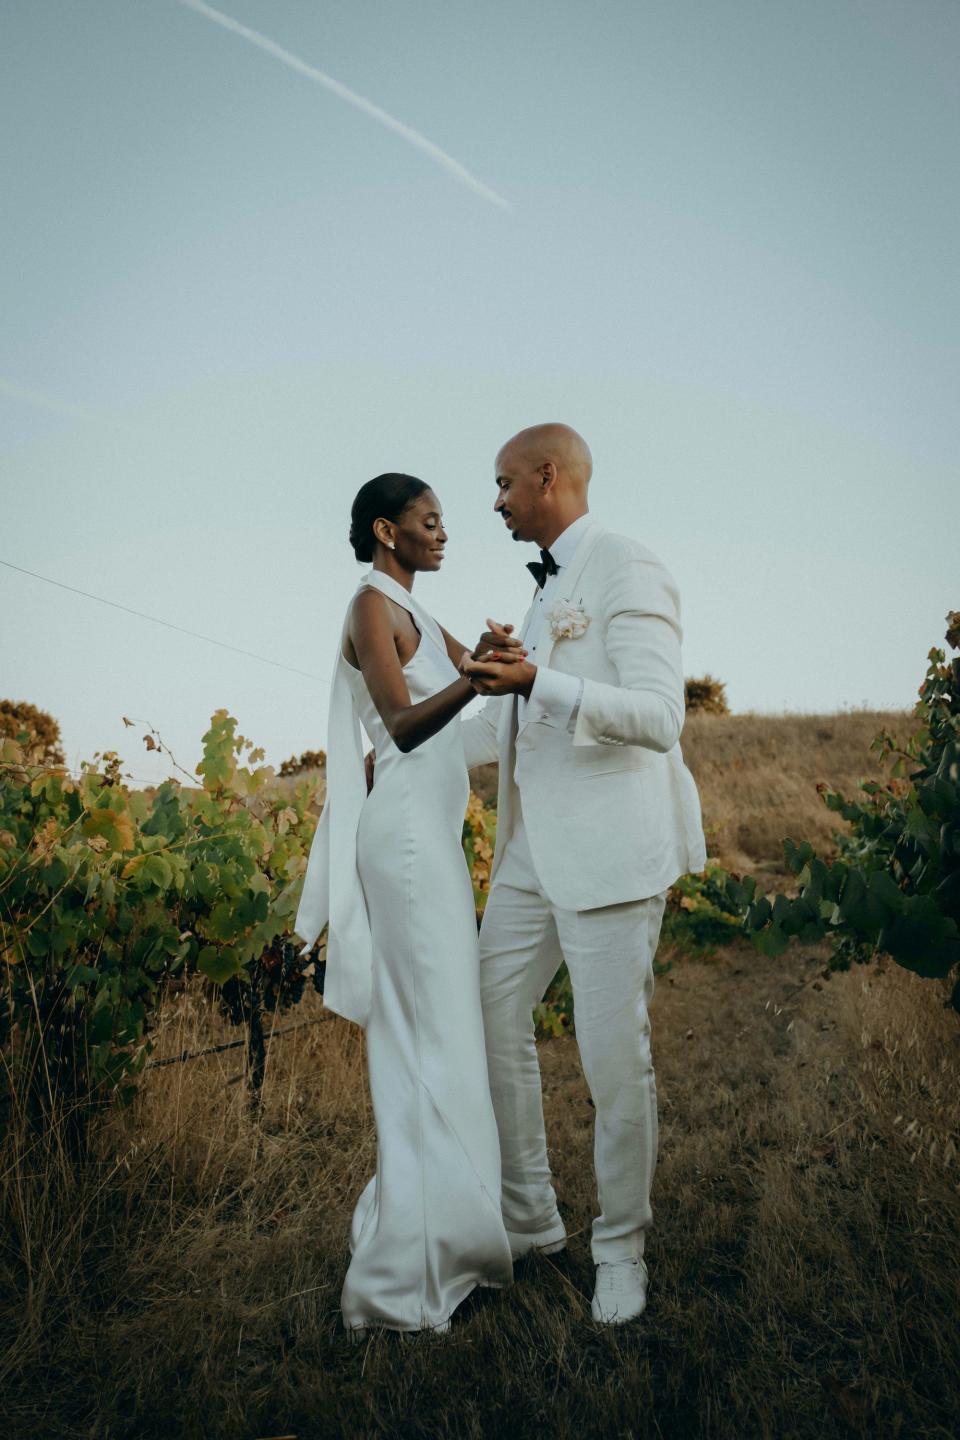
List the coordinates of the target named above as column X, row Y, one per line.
column 641, row 613
column 557, row 697
column 480, row 733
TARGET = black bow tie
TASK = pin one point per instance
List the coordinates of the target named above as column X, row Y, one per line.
column 540, row 570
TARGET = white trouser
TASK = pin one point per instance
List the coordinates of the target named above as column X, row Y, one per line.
column 609, row 954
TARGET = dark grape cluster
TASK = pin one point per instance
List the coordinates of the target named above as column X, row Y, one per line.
column 277, row 982
column 236, row 999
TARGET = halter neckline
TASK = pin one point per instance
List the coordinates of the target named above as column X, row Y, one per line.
column 398, row 593
column 386, row 583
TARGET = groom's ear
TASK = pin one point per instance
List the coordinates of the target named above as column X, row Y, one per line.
column 548, row 474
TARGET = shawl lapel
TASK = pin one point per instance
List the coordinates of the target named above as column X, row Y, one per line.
column 571, row 580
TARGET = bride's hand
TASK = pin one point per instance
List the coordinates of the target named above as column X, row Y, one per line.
column 496, row 637
column 470, row 665
column 500, row 673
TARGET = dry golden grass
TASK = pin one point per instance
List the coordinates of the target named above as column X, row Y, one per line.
column 804, row 1268
column 804, row 1271
column 757, row 776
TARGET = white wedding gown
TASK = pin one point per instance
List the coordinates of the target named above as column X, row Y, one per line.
column 427, row 1229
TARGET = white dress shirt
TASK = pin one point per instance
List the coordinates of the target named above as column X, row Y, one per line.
column 555, row 696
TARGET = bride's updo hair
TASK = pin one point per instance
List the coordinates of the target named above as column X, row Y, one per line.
column 383, row 498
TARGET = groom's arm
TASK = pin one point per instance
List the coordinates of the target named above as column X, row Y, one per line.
column 480, row 733
column 641, row 612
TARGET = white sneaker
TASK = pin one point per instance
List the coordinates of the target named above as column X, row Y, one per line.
column 621, row 1292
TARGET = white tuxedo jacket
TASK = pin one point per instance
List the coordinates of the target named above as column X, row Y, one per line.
column 611, row 811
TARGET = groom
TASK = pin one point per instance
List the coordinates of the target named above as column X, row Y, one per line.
column 597, row 816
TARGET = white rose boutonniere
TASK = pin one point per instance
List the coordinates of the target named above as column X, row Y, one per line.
column 567, row 622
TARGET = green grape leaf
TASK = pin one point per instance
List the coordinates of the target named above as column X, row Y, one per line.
column 218, row 965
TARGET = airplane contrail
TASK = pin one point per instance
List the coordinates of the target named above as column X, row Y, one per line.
column 406, row 132
column 46, row 402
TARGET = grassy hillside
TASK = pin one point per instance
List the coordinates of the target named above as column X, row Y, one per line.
column 757, row 776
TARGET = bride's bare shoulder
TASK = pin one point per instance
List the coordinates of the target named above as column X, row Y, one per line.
column 368, row 601
column 371, row 608
column 374, row 617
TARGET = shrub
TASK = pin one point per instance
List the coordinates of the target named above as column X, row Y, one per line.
column 706, row 696
column 699, row 914
column 309, row 760
column 479, row 840
column 35, row 732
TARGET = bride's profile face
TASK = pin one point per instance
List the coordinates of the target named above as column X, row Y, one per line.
column 420, row 536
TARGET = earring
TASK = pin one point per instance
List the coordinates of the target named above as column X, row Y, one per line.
column 390, row 545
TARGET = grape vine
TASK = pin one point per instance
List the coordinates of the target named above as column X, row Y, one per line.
column 894, row 887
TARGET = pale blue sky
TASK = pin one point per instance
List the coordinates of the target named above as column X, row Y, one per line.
column 730, row 261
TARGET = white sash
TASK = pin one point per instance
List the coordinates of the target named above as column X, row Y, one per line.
column 332, row 895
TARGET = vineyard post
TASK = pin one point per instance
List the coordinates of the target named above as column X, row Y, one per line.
column 256, row 1045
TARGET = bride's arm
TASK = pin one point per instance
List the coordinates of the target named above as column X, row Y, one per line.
column 372, row 633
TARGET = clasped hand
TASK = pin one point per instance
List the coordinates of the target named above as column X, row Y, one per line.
column 498, row 665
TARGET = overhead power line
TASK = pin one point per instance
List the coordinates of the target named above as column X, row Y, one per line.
column 168, row 625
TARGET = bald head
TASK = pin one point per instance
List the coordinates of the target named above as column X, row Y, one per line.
column 542, row 478
column 560, row 445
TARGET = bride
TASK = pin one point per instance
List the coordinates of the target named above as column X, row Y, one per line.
column 388, row 874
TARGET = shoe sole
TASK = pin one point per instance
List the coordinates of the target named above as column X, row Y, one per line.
column 616, row 1319
column 356, row 1334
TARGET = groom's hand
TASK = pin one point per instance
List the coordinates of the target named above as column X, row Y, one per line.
column 496, row 637
column 501, row 673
